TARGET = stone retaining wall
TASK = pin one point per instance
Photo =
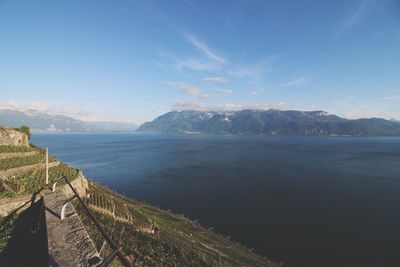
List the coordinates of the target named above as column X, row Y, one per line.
column 13, row 137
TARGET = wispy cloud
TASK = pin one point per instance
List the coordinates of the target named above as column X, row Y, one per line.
column 215, row 79
column 185, row 88
column 224, row 91
column 192, row 105
column 296, row 81
column 253, row 92
column 255, row 71
column 391, row 98
column 352, row 19
column 80, row 113
column 190, row 63
column 204, row 49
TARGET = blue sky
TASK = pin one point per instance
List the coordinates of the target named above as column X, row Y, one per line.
column 134, row 60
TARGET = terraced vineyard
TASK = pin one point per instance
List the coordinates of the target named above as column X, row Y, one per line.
column 31, row 181
column 174, row 241
column 15, row 149
column 15, row 162
column 118, row 210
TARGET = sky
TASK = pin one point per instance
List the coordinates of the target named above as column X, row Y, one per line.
column 133, row 60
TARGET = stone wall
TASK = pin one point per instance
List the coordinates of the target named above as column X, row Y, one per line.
column 13, row 137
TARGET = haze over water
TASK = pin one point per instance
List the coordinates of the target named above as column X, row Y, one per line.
column 308, row 201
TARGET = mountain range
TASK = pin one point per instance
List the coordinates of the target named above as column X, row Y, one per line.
column 41, row 121
column 269, row 122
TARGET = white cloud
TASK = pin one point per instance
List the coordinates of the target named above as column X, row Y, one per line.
column 197, row 105
column 391, row 98
column 215, row 79
column 185, row 88
column 181, row 105
column 203, row 48
column 261, row 106
column 12, row 105
column 80, row 113
column 39, row 106
column 224, row 91
column 253, row 92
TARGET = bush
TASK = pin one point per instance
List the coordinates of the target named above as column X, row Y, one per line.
column 25, row 129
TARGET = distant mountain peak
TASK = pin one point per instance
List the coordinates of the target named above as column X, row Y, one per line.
column 42, row 121
column 270, row 122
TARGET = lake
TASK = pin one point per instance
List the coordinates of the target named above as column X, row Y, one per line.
column 306, row 201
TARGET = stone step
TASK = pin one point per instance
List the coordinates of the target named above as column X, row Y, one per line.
column 68, row 241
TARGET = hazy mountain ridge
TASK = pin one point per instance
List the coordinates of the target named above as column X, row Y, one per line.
column 41, row 121
column 271, row 122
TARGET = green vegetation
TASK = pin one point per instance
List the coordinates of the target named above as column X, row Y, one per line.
column 25, row 129
column 9, row 163
column 32, row 181
column 174, row 241
column 119, row 210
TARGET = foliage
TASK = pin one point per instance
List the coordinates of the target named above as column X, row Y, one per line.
column 25, row 129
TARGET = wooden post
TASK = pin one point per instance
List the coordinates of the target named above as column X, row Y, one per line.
column 47, row 165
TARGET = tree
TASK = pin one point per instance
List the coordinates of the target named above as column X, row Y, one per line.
column 25, row 129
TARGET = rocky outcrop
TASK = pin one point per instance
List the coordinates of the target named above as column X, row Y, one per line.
column 13, row 137
column 80, row 185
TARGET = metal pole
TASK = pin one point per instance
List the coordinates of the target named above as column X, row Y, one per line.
column 47, row 165
column 121, row 255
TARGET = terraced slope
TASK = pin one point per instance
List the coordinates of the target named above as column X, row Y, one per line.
column 23, row 170
column 26, row 177
column 169, row 239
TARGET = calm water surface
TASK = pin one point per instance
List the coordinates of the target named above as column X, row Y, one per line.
column 304, row 200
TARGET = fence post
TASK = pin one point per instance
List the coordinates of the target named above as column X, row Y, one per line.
column 47, row 165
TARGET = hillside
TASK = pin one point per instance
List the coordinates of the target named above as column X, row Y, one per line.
column 42, row 121
column 155, row 237
column 269, row 122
